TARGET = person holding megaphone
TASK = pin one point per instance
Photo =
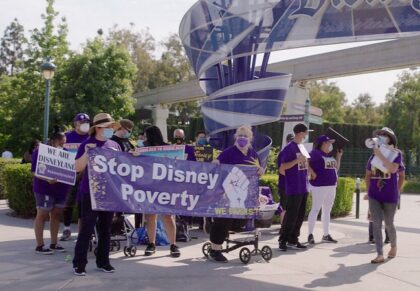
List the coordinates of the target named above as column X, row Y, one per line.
column 383, row 187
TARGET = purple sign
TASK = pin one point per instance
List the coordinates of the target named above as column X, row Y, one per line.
column 124, row 183
column 56, row 164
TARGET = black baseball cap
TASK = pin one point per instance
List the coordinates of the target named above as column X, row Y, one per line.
column 300, row 127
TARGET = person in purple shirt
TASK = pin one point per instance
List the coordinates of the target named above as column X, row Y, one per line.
column 74, row 138
column 383, row 191
column 295, row 167
column 99, row 136
column 179, row 139
column 323, row 185
column 241, row 153
column 281, row 186
column 50, row 196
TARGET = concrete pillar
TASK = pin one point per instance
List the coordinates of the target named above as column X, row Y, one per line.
column 297, row 94
column 160, row 114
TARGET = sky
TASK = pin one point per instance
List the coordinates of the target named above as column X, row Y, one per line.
column 161, row 17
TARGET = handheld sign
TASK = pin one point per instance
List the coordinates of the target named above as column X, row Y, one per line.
column 56, row 164
column 168, row 151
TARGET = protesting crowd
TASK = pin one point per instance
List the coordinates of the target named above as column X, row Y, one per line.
column 301, row 169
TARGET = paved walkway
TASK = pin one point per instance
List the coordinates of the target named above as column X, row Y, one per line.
column 342, row 266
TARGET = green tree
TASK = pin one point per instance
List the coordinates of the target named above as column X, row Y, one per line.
column 364, row 111
column 329, row 98
column 12, row 48
column 98, row 80
column 402, row 110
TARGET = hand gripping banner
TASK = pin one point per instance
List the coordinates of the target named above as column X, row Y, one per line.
column 121, row 182
column 223, row 38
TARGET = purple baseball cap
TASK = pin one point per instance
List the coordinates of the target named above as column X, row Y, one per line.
column 81, row 117
column 324, row 138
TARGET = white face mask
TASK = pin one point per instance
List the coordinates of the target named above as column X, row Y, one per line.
column 330, row 147
column 84, row 127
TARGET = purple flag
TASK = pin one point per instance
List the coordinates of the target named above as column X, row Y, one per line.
column 124, row 183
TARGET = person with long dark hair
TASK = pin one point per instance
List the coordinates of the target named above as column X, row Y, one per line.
column 50, row 196
column 323, row 186
column 154, row 138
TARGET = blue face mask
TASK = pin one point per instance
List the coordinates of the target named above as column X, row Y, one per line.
column 202, row 141
column 107, row 133
column 140, row 143
column 383, row 140
column 126, row 135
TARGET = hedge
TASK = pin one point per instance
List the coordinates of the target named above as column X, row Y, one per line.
column 343, row 201
column 3, row 163
column 411, row 187
column 18, row 185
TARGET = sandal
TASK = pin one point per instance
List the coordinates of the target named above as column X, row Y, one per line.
column 378, row 260
column 392, row 253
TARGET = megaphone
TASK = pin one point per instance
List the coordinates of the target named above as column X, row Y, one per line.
column 372, row 142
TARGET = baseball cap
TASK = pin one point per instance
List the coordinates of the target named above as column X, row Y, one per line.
column 300, row 127
column 324, row 138
column 81, row 117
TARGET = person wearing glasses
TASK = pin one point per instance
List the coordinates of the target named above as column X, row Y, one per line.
column 122, row 135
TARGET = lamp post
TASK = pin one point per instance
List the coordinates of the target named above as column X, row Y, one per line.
column 48, row 70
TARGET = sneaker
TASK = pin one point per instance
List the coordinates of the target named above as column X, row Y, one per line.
column 387, row 240
column 150, row 250
column 217, row 256
column 107, row 269
column 43, row 251
column 311, row 239
column 66, row 235
column 296, row 246
column 79, row 271
column 58, row 248
column 371, row 241
column 283, row 246
column 328, row 239
column 175, row 253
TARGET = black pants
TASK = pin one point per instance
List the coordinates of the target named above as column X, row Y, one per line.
column 88, row 220
column 221, row 226
column 293, row 219
column 68, row 208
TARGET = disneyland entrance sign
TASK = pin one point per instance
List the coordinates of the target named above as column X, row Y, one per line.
column 121, row 182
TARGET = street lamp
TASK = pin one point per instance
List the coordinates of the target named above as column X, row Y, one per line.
column 48, row 70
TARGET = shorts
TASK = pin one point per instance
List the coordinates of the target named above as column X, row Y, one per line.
column 48, row 202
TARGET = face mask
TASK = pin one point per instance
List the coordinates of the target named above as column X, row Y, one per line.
column 84, row 127
column 330, row 148
column 107, row 133
column 126, row 135
column 179, row 140
column 140, row 143
column 202, row 141
column 242, row 141
column 383, row 139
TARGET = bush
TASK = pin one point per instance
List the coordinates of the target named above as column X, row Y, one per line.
column 3, row 163
column 18, row 185
column 343, row 201
column 411, row 187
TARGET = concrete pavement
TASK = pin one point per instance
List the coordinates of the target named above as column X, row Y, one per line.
column 342, row 266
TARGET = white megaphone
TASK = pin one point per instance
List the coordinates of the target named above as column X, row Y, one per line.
column 372, row 142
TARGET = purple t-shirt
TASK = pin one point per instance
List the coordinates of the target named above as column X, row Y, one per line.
column 109, row 144
column 73, row 140
column 189, row 151
column 43, row 187
column 296, row 178
column 383, row 187
column 234, row 156
column 325, row 168
column 281, row 184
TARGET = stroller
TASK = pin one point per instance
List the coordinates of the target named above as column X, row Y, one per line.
column 263, row 220
column 121, row 231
